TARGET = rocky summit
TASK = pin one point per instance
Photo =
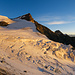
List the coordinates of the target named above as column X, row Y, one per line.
column 27, row 17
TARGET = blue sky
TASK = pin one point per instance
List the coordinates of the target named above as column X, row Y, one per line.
column 55, row 14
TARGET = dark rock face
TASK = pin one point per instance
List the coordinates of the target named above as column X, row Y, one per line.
column 56, row 36
column 65, row 39
column 27, row 17
column 46, row 31
column 2, row 23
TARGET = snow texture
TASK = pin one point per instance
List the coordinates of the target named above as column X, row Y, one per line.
column 25, row 51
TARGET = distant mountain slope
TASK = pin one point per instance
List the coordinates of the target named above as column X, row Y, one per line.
column 55, row 36
column 72, row 35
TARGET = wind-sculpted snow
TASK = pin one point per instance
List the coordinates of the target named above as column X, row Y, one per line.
column 21, row 54
column 22, row 24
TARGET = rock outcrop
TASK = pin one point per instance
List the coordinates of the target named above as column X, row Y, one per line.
column 27, row 17
column 2, row 23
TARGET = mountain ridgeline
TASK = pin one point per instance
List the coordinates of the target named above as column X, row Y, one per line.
column 56, row 36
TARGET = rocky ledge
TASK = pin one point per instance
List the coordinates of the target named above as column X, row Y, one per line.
column 2, row 23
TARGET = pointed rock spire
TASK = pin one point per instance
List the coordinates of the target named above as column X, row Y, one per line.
column 27, row 17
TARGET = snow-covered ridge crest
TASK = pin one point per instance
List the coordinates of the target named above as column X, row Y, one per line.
column 22, row 24
column 6, row 19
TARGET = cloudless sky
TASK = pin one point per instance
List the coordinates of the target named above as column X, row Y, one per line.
column 55, row 14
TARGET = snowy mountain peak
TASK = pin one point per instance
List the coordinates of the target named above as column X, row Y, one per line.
column 27, row 21
column 25, row 51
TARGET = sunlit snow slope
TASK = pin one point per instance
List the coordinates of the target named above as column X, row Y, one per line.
column 25, row 51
